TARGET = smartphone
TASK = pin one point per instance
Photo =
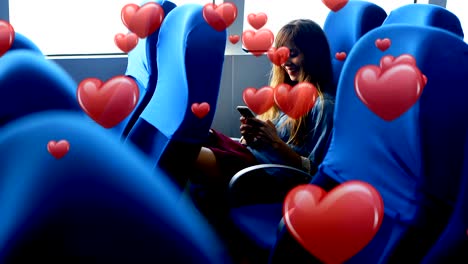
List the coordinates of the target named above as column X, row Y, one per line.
column 245, row 111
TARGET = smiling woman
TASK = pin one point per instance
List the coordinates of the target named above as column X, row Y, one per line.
column 65, row 27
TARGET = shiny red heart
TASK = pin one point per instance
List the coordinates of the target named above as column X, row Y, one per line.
column 388, row 61
column 200, row 110
column 126, row 42
column 392, row 92
column 7, row 36
column 341, row 56
column 335, row 5
column 258, row 42
column 259, row 101
column 58, row 149
column 295, row 101
column 257, row 21
column 334, row 226
column 278, row 56
column 144, row 20
column 383, row 44
column 108, row 103
column 234, row 38
column 220, row 17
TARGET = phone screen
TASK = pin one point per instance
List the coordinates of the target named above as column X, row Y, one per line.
column 245, row 111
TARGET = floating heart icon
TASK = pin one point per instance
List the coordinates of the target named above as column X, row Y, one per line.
column 257, row 21
column 334, row 226
column 58, row 149
column 220, row 17
column 108, row 103
column 389, row 93
column 341, row 56
column 383, row 44
column 7, row 36
column 295, row 101
column 258, row 42
column 278, row 56
column 200, row 110
column 335, row 5
column 259, row 101
column 234, row 38
column 144, row 20
column 126, row 42
column 388, row 61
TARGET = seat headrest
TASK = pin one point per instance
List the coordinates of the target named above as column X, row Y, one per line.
column 416, row 149
column 100, row 201
column 192, row 53
column 22, row 42
column 142, row 59
column 142, row 67
column 345, row 27
column 29, row 83
column 426, row 15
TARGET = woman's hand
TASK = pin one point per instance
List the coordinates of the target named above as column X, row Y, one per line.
column 248, row 133
column 265, row 132
column 266, row 135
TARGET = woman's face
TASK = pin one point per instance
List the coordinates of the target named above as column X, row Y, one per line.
column 293, row 65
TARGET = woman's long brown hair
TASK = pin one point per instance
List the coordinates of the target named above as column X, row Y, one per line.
column 310, row 39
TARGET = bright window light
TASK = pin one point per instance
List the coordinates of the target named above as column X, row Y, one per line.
column 460, row 9
column 280, row 13
column 390, row 5
column 66, row 27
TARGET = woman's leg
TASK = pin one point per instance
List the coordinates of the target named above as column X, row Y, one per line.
column 207, row 166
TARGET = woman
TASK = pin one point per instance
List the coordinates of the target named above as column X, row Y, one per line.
column 273, row 137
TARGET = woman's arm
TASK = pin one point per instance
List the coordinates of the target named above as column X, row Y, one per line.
column 267, row 136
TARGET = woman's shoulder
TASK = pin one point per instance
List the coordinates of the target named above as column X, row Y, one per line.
column 324, row 103
column 328, row 99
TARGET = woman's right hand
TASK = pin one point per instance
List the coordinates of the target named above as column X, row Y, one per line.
column 247, row 132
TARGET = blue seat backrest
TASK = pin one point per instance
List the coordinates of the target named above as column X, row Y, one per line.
column 190, row 59
column 191, row 74
column 29, row 83
column 142, row 67
column 22, row 42
column 415, row 160
column 426, row 15
column 345, row 27
column 100, row 203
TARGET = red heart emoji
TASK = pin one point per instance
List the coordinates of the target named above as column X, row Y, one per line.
column 259, row 101
column 108, row 103
column 200, row 110
column 257, row 21
column 335, row 5
column 258, row 42
column 278, row 56
column 383, row 44
column 388, row 61
column 389, row 93
column 295, row 101
column 234, row 38
column 341, row 56
column 58, row 149
column 220, row 17
column 334, row 226
column 144, row 20
column 7, row 36
column 126, row 42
